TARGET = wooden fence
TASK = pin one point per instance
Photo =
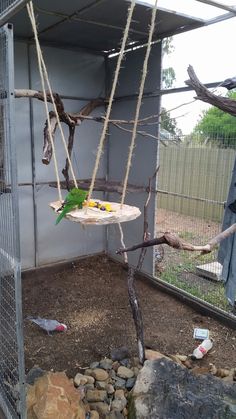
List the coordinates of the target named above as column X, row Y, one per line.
column 190, row 177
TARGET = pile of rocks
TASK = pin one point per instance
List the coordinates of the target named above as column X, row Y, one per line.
column 106, row 385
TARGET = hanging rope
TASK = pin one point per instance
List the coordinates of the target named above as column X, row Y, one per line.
column 109, row 108
column 44, row 76
column 139, row 102
column 29, row 6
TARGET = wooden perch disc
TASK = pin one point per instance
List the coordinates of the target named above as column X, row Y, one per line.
column 95, row 216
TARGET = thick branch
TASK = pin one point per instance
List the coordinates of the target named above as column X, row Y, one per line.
column 65, row 171
column 223, row 103
column 47, row 146
column 137, row 314
column 174, row 241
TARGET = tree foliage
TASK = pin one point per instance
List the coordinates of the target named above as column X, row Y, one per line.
column 169, row 124
column 217, row 126
column 168, row 74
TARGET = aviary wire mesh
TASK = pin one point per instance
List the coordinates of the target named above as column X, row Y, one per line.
column 193, row 185
column 11, row 340
column 8, row 8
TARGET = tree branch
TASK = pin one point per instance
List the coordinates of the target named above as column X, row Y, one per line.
column 174, row 241
column 224, row 103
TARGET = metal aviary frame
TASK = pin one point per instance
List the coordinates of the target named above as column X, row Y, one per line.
column 12, row 383
column 8, row 8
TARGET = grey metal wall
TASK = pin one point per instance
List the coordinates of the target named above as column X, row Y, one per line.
column 74, row 74
column 145, row 154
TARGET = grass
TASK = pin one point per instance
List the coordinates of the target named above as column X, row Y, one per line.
column 177, row 264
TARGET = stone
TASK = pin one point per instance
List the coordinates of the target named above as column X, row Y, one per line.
column 96, row 395
column 94, row 365
column 106, row 364
column 125, row 411
column 54, row 396
column 152, row 355
column 164, row 389
column 80, row 379
column 125, row 362
column 130, row 383
column 120, row 353
column 99, row 374
column 110, row 389
column 88, row 371
column 119, row 394
column 125, row 372
column 90, row 379
column 94, row 414
column 119, row 404
column 119, row 383
column 112, row 374
column 89, row 386
column 115, row 365
column 33, row 374
column 100, row 407
column 101, row 385
column 115, row 414
column 136, row 371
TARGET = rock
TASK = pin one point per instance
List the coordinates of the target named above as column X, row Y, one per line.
column 54, row 396
column 136, row 371
column 94, row 414
column 101, row 385
column 130, row 383
column 33, row 374
column 99, row 374
column 153, row 355
column 80, row 379
column 176, row 359
column 90, row 379
column 96, row 395
column 112, row 374
column 115, row 414
column 88, row 371
column 115, row 365
column 110, row 389
column 119, row 394
column 125, row 362
column 182, row 358
column 94, row 365
column 200, row 370
column 101, row 408
column 222, row 372
column 119, row 383
column 125, row 411
column 119, row 404
column 120, row 353
column 89, row 386
column 164, row 389
column 125, row 372
column 106, row 364
column 188, row 364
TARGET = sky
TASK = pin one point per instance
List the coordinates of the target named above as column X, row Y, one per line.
column 209, row 50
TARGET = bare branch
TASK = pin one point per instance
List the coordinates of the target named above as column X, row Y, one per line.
column 47, row 146
column 174, row 241
column 224, row 103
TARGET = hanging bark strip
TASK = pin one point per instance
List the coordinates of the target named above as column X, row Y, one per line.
column 137, row 314
column 174, row 241
column 65, row 171
column 223, row 103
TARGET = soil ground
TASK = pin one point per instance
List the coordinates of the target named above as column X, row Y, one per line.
column 91, row 299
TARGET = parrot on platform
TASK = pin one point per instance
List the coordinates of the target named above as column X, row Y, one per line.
column 48, row 325
column 74, row 199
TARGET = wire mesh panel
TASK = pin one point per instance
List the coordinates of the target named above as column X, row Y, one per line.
column 193, row 185
column 8, row 8
column 11, row 340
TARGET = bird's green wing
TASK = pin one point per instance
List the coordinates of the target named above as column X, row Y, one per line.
column 74, row 198
column 67, row 208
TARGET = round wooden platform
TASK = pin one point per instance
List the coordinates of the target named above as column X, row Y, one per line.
column 95, row 216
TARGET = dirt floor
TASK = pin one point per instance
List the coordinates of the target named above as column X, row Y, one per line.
column 91, row 299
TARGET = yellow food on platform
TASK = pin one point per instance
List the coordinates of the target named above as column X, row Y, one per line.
column 103, row 206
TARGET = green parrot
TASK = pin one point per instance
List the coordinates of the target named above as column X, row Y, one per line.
column 74, row 199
